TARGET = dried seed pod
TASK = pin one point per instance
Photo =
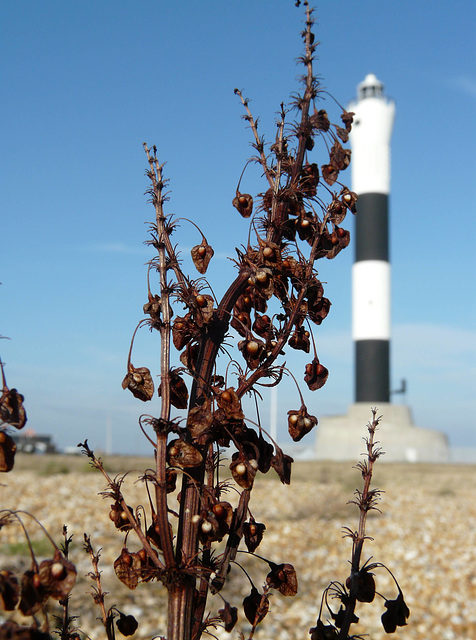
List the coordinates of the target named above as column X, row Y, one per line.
column 341, row 133
column 255, row 606
column 265, row 453
column 305, row 226
column 201, row 256
column 269, row 252
column 347, row 118
column 178, row 390
column 12, row 410
column 263, row 284
column 230, row 404
column 189, row 357
column 309, row 180
column 170, row 480
column 281, row 463
column 57, row 576
column 329, row 173
column 127, row 567
column 8, row 449
column 202, row 308
column 223, row 512
column 229, row 616
column 314, row 290
column 300, row 423
column 9, row 590
column 241, row 322
column 244, row 303
column 319, row 310
column 300, row 340
column 120, row 517
column 153, row 532
column 153, row 307
column 315, row 375
column 33, row 594
column 362, row 585
column 253, row 351
column 253, row 534
column 262, row 325
column 199, row 422
column 243, row 202
column 320, row 120
column 243, row 469
column 139, row 382
column 339, row 157
column 339, row 618
column 127, row 625
column 323, row 631
column 349, row 199
column 332, row 243
column 183, row 455
column 283, row 578
column 183, row 330
column 336, row 210
column 211, row 527
column 396, row 614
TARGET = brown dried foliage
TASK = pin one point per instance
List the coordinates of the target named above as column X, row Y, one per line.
column 175, row 536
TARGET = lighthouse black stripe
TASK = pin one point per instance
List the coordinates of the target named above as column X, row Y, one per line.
column 371, row 227
column 372, row 371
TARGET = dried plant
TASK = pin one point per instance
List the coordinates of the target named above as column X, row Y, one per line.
column 12, row 414
column 360, row 585
column 189, row 534
column 191, row 546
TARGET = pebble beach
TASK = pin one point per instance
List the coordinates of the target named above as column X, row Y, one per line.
column 425, row 534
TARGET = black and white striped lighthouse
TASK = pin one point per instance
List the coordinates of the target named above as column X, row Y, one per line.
column 337, row 436
column 370, row 166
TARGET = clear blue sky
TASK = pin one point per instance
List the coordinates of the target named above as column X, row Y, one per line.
column 85, row 83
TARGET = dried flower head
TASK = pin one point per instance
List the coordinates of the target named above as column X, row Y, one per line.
column 300, row 423
column 8, row 449
column 126, row 624
column 182, row 454
column 201, row 256
column 12, row 410
column 315, row 375
column 229, row 616
column 57, row 576
column 283, row 578
column 253, row 534
column 139, row 382
column 396, row 614
column 243, row 202
column 256, row 606
column 9, row 590
column 127, row 567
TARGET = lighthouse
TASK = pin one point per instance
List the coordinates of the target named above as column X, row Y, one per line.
column 340, row 437
column 371, row 287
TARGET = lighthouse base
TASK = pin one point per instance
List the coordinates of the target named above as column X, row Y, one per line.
column 341, row 437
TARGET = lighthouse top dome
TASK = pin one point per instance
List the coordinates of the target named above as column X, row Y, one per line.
column 370, row 87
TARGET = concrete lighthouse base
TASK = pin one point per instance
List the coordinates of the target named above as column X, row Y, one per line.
column 340, row 437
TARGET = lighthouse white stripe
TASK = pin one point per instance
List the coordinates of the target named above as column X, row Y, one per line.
column 370, row 140
column 371, row 300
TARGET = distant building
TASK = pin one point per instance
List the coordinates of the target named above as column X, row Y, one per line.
column 30, row 442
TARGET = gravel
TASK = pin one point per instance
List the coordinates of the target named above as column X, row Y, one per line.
column 425, row 534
